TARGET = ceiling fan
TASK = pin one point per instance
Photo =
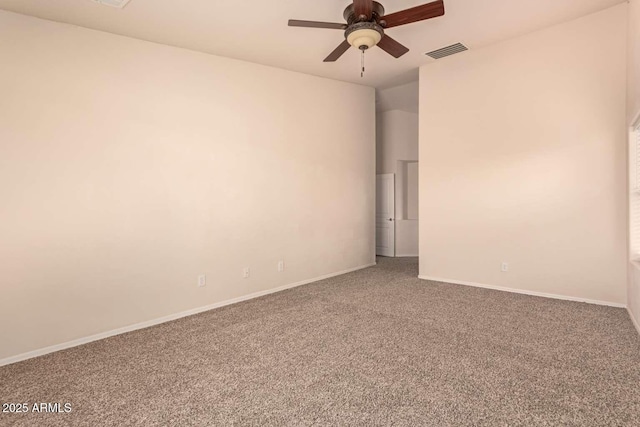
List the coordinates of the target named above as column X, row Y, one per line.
column 366, row 25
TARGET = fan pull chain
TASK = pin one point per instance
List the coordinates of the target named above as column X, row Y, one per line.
column 362, row 63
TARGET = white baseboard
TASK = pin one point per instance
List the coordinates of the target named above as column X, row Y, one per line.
column 406, row 255
column 521, row 291
column 634, row 320
column 164, row 319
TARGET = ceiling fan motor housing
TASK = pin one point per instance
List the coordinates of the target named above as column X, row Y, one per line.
column 351, row 18
column 364, row 35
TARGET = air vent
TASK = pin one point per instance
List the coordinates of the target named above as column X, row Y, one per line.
column 447, row 51
column 120, row 4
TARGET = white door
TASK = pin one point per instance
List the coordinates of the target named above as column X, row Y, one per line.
column 385, row 215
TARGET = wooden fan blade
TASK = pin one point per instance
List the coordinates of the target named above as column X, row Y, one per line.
column 316, row 24
column 392, row 47
column 415, row 14
column 363, row 7
column 337, row 53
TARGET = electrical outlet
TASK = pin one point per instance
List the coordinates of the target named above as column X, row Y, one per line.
column 246, row 272
column 202, row 280
column 505, row 267
column 280, row 266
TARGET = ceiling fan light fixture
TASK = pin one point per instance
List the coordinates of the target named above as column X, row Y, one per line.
column 364, row 37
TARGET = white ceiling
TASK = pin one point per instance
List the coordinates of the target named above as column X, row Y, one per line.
column 257, row 31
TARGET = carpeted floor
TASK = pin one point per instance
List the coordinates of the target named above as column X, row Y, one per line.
column 374, row 347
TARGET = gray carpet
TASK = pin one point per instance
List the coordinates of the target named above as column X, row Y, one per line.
column 374, row 347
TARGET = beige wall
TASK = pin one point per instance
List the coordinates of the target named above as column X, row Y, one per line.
column 407, row 225
column 522, row 160
column 413, row 194
column 633, row 71
column 633, row 113
column 407, row 238
column 397, row 142
column 128, row 168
